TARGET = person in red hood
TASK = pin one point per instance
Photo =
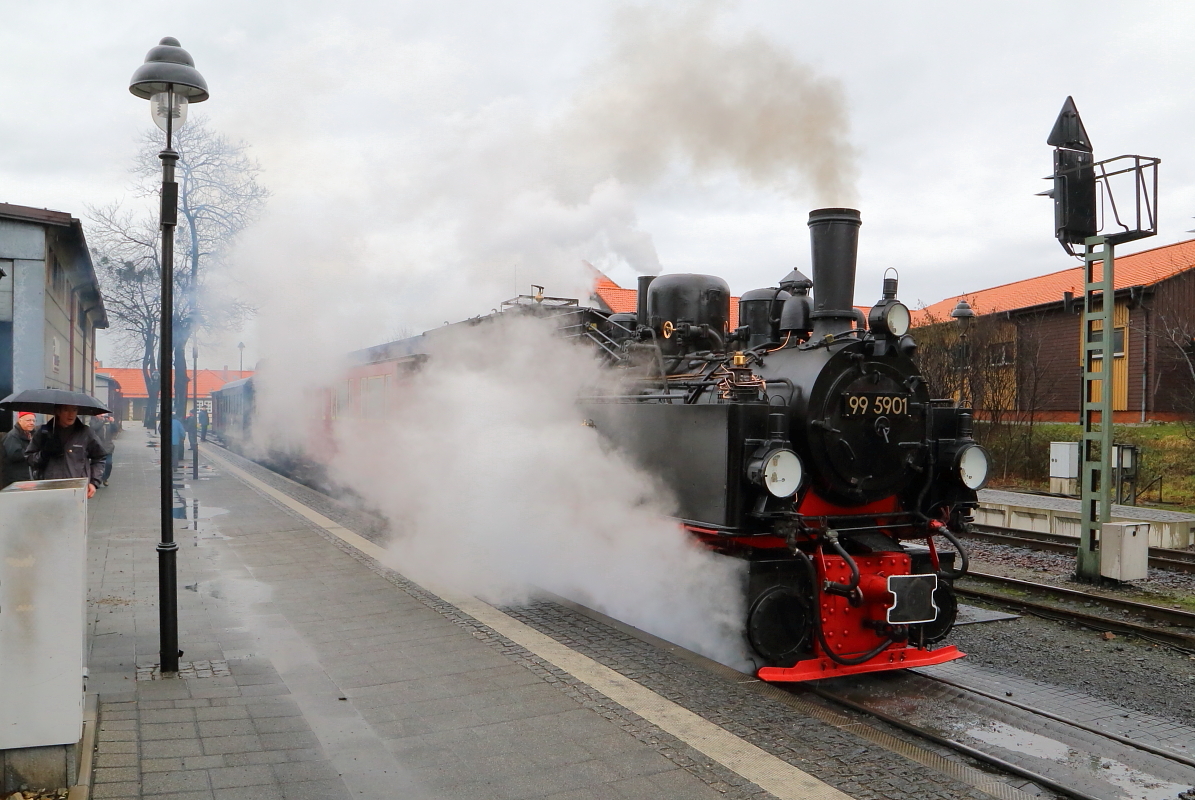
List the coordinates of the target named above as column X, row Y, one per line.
column 15, row 467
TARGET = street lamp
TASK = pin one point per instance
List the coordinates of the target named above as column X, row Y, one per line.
column 964, row 316
column 241, row 347
column 169, row 80
column 195, row 411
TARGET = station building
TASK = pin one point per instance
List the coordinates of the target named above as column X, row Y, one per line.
column 1032, row 330
column 50, row 303
column 133, row 396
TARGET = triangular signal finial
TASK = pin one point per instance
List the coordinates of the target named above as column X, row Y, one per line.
column 1068, row 129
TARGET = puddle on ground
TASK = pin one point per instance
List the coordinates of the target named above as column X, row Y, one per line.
column 199, row 518
column 242, row 592
column 193, row 510
column 1138, row 785
column 946, row 713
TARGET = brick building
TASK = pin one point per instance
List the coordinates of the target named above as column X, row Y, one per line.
column 1034, row 328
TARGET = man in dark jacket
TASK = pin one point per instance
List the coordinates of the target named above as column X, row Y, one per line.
column 15, row 467
column 66, row 448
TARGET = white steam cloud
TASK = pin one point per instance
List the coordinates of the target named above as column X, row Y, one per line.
column 491, row 484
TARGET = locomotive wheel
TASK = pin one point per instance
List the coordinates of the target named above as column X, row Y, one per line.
column 939, row 629
column 779, row 625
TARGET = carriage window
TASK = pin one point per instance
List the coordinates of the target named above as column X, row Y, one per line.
column 373, row 396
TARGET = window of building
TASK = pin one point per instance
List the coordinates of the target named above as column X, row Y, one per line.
column 1118, row 337
column 1001, row 354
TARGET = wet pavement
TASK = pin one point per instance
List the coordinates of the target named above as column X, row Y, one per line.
column 306, row 673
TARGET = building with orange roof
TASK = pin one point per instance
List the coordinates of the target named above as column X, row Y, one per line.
column 1040, row 320
column 131, row 383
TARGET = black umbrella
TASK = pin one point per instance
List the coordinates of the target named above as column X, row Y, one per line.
column 43, row 401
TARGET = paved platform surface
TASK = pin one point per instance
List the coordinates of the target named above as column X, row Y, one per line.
column 311, row 672
column 313, row 676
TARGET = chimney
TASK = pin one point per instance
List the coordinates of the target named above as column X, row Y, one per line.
column 834, row 242
column 225, row 375
column 641, row 299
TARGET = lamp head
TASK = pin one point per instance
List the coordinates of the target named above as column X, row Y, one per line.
column 168, row 67
column 963, row 314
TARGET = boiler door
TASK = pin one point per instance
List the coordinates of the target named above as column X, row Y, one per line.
column 870, row 434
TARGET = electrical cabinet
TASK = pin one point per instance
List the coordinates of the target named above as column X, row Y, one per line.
column 1124, row 551
column 43, row 619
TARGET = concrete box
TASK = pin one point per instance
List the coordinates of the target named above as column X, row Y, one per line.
column 43, row 619
column 1124, row 551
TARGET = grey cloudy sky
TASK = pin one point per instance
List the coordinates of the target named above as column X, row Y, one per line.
column 427, row 160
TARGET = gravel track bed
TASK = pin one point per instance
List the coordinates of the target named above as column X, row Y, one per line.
column 1137, row 674
column 1042, row 566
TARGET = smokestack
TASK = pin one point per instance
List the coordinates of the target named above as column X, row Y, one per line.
column 641, row 299
column 834, row 241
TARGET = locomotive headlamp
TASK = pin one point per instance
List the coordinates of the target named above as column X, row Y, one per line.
column 889, row 316
column 896, row 319
column 973, row 465
column 779, row 471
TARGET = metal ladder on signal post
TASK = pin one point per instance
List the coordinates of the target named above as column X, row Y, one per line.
column 1095, row 452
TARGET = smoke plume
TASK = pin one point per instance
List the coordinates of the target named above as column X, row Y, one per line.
column 490, row 482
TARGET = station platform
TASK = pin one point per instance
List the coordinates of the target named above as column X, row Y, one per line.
column 1062, row 516
column 312, row 670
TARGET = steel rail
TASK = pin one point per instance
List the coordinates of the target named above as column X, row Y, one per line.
column 1181, row 640
column 1159, row 557
column 1148, row 748
column 959, row 747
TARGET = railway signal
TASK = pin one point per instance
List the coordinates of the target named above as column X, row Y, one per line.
column 1097, row 204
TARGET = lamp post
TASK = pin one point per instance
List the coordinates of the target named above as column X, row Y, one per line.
column 964, row 316
column 241, row 347
column 169, row 80
column 195, row 410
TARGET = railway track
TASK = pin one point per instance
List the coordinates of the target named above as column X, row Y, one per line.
column 1071, row 757
column 1159, row 557
column 1176, row 629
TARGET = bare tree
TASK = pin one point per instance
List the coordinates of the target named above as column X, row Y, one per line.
column 995, row 366
column 1175, row 338
column 219, row 196
column 125, row 252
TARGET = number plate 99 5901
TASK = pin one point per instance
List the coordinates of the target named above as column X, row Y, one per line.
column 875, row 404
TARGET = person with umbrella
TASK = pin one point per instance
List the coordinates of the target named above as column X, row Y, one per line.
column 64, row 447
column 15, row 467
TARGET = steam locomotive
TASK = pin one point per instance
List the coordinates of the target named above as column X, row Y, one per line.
column 806, row 443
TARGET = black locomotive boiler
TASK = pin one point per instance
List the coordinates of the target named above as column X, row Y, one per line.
column 805, row 442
